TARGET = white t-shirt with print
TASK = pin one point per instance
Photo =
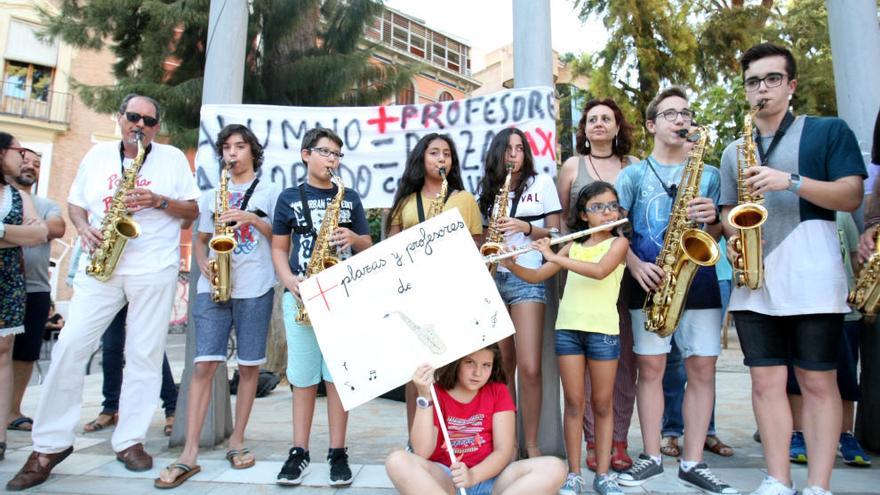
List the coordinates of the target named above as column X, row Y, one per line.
column 252, row 272
column 165, row 171
column 538, row 200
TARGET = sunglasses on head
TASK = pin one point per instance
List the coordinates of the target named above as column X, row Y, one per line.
column 135, row 117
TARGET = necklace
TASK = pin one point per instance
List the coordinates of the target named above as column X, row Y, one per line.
column 609, row 155
column 595, row 171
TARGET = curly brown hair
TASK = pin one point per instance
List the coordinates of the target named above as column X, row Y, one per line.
column 622, row 145
column 448, row 375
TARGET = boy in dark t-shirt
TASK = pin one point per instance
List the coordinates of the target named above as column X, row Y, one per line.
column 299, row 214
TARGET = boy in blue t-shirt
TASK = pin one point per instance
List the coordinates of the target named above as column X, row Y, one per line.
column 647, row 191
column 299, row 213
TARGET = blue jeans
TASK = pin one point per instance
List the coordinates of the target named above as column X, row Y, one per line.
column 674, row 380
column 113, row 359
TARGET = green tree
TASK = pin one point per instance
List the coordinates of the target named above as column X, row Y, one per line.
column 302, row 52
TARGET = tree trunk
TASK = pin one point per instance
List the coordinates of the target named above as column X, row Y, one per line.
column 276, row 351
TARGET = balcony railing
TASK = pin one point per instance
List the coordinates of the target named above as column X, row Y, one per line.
column 29, row 103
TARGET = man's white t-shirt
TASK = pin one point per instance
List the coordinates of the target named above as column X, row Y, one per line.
column 538, row 200
column 165, row 171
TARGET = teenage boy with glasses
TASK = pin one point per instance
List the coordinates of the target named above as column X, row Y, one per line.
column 647, row 193
column 809, row 169
column 299, row 213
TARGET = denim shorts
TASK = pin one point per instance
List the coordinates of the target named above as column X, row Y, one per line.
column 214, row 322
column 481, row 488
column 515, row 290
column 847, row 364
column 593, row 345
column 698, row 334
column 305, row 363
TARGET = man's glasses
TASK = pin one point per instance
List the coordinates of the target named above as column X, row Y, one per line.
column 670, row 115
column 326, row 153
column 22, row 151
column 135, row 117
column 771, row 80
column 602, row 207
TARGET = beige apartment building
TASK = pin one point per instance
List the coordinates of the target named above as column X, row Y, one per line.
column 39, row 107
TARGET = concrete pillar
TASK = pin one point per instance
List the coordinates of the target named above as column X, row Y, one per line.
column 855, row 48
column 223, row 83
column 533, row 66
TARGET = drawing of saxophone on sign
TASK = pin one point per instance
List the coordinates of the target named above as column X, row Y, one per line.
column 426, row 334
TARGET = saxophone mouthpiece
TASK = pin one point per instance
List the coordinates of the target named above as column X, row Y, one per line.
column 442, row 172
column 230, row 163
column 682, row 133
column 761, row 104
column 139, row 134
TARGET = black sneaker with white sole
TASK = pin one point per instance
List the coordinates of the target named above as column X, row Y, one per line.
column 643, row 469
column 701, row 477
column 340, row 472
column 295, row 467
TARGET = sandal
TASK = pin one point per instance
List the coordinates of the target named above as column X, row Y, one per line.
column 2, row 450
column 18, row 424
column 101, row 422
column 240, row 458
column 620, row 460
column 716, row 446
column 186, row 472
column 669, row 447
column 169, row 426
column 592, row 461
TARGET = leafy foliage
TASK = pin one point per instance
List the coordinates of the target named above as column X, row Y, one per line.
column 697, row 44
column 302, row 52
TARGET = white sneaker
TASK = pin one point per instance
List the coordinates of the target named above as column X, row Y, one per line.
column 815, row 490
column 772, row 486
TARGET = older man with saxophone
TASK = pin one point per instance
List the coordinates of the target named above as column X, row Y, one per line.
column 139, row 193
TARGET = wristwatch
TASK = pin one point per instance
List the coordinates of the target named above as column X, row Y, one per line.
column 423, row 402
column 794, row 182
column 164, row 204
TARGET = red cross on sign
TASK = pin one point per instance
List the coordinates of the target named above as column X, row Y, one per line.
column 322, row 293
column 381, row 120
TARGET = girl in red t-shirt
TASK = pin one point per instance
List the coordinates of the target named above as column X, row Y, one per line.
column 480, row 417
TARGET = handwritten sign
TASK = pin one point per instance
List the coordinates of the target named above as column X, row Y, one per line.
column 421, row 296
column 378, row 139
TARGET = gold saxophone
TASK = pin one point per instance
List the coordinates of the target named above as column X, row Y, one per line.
column 324, row 254
column 222, row 243
column 685, row 249
column 437, row 204
column 748, row 215
column 118, row 225
column 865, row 295
column 494, row 242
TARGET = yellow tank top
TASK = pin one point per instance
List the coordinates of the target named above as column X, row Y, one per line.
column 590, row 305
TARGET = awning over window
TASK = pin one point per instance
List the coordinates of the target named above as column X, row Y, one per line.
column 24, row 46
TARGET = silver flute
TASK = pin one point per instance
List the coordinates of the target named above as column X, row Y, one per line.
column 495, row 258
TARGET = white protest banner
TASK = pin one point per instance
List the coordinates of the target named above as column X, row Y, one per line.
column 378, row 139
column 421, row 296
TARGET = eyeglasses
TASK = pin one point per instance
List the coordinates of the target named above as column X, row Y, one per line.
column 602, row 207
column 771, row 80
column 326, row 153
column 21, row 151
column 671, row 114
column 135, row 117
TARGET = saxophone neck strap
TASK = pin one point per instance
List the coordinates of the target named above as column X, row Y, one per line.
column 248, row 194
column 122, row 155
column 672, row 189
column 765, row 155
column 420, row 207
